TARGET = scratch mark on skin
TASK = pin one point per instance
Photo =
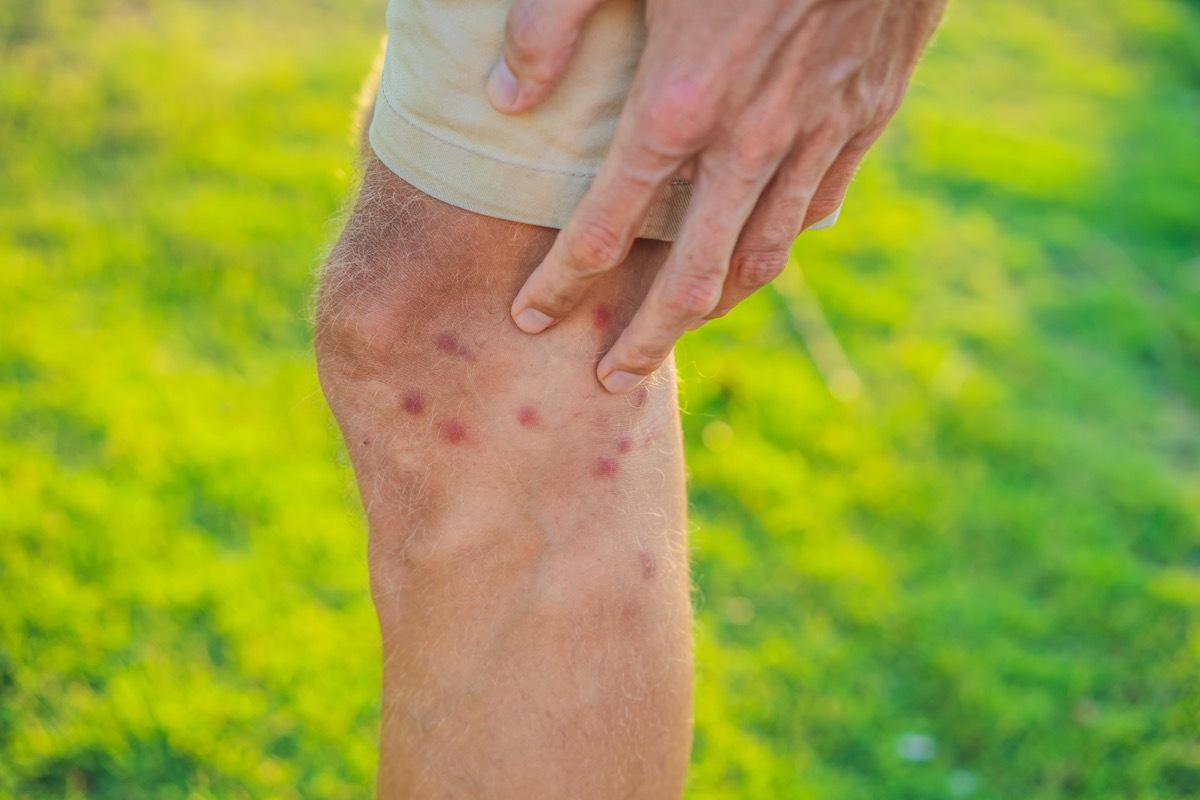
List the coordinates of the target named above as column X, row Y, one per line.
column 453, row 431
column 649, row 565
column 413, row 403
column 448, row 343
column 605, row 467
column 623, row 444
column 527, row 416
column 640, row 397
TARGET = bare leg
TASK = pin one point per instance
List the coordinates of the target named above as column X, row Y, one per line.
column 527, row 544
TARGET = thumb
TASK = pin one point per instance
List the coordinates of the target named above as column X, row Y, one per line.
column 539, row 37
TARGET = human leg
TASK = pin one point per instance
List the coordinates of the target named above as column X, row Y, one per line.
column 527, row 548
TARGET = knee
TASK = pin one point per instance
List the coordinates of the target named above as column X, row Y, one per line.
column 446, row 407
column 357, row 332
column 358, row 284
column 392, row 299
column 412, row 309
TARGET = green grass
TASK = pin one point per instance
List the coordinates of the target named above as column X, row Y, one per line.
column 995, row 545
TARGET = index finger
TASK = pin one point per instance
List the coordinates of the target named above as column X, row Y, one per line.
column 599, row 233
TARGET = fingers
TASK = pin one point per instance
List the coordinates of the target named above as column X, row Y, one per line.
column 600, row 232
column 688, row 286
column 539, row 36
column 808, row 188
column 831, row 192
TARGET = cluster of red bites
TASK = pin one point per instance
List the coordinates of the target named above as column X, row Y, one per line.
column 454, row 431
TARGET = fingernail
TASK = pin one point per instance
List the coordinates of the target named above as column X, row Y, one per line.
column 502, row 86
column 619, row 382
column 827, row 222
column 533, row 321
column 696, row 324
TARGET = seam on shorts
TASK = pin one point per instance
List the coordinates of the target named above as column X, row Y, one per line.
column 423, row 130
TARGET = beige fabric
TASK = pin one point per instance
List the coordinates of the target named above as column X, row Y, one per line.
column 433, row 125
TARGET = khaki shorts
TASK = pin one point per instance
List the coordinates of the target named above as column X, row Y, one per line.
column 434, row 127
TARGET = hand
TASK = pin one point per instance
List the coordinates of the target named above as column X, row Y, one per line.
column 766, row 105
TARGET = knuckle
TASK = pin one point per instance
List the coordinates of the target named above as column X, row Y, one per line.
column 524, row 34
column 675, row 136
column 644, row 357
column 596, row 247
column 872, row 102
column 678, row 117
column 889, row 103
column 755, row 268
column 782, row 226
column 554, row 298
column 688, row 295
column 757, row 149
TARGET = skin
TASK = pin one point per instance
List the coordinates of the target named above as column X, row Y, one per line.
column 767, row 106
column 527, row 547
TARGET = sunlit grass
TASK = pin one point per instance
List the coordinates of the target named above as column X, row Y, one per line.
column 976, row 574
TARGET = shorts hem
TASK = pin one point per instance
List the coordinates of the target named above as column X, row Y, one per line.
column 474, row 181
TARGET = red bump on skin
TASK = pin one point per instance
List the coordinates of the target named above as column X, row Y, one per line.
column 602, row 316
column 366, row 441
column 527, row 416
column 649, row 565
column 623, row 444
column 413, row 403
column 631, row 613
column 605, row 467
column 453, row 431
column 448, row 343
column 640, row 397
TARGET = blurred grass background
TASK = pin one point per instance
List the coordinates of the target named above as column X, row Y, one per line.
column 972, row 569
